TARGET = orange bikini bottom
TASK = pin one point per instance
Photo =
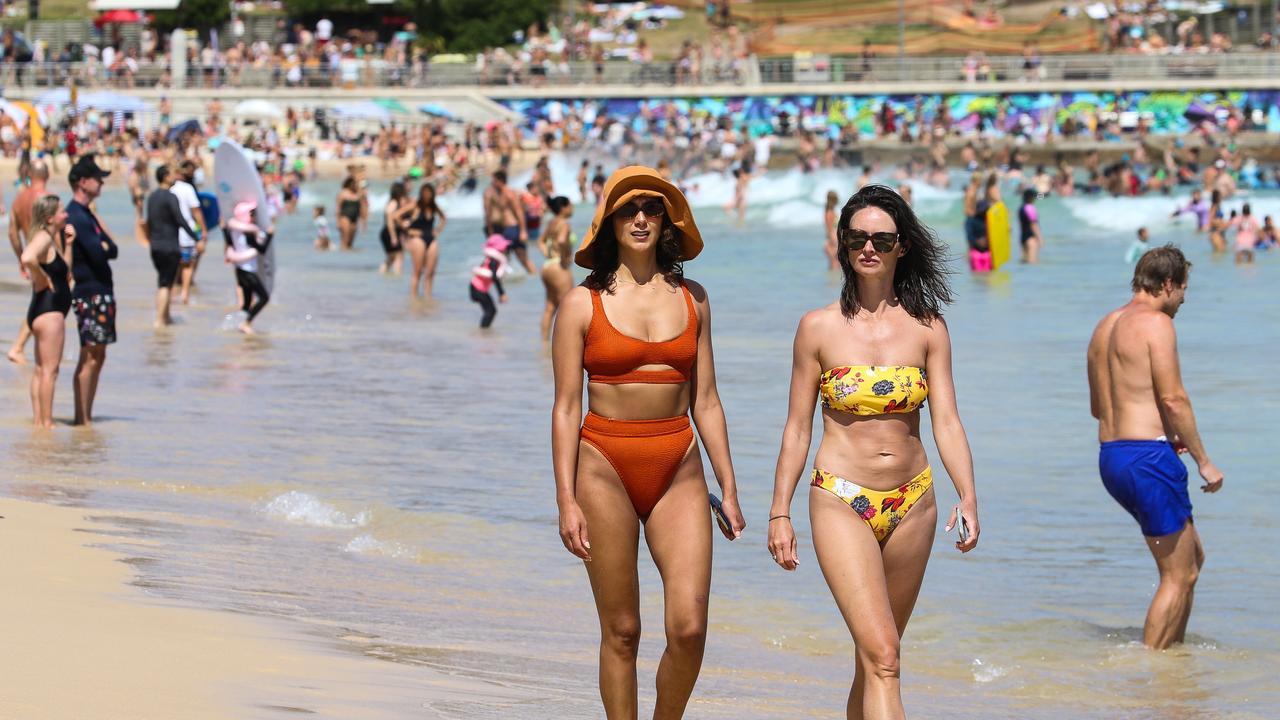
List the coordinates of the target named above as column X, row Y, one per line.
column 644, row 453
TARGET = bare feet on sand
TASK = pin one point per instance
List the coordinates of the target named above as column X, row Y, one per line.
column 247, row 329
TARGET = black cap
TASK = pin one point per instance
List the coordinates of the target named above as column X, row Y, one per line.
column 85, row 167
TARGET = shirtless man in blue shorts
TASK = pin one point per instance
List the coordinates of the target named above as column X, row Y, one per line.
column 1144, row 421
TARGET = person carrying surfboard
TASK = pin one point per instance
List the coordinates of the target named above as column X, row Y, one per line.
column 245, row 242
column 980, row 246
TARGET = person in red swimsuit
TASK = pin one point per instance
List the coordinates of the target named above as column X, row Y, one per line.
column 641, row 333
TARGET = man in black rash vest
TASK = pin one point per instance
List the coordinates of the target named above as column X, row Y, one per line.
column 161, row 224
column 93, row 297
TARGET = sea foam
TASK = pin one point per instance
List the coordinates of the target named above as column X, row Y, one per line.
column 367, row 544
column 305, row 509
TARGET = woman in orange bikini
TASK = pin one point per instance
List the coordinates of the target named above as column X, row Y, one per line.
column 642, row 334
column 874, row 357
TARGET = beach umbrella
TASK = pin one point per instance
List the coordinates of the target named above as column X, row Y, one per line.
column 112, row 102
column 658, row 12
column 1197, row 113
column 19, row 115
column 392, row 105
column 362, row 110
column 184, row 127
column 118, row 17
column 59, row 96
column 258, row 109
column 434, row 109
column 36, row 120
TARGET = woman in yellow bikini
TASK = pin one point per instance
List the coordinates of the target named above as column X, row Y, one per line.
column 874, row 357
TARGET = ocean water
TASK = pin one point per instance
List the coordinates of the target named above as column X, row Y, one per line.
column 380, row 469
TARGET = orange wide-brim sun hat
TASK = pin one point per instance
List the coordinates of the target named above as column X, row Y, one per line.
column 636, row 181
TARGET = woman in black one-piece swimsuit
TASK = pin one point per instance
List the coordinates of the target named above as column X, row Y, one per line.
column 421, row 236
column 50, row 300
column 393, row 230
column 348, row 213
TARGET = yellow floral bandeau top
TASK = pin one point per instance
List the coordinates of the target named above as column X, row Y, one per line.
column 873, row 389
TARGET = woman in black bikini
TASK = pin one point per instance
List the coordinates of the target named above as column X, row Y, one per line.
column 393, row 229
column 348, row 213
column 422, row 232
column 46, row 265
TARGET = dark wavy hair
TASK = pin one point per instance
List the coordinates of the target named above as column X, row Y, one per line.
column 604, row 256
column 424, row 206
column 399, row 191
column 920, row 279
column 558, row 203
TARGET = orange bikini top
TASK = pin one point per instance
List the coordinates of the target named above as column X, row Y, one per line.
column 611, row 358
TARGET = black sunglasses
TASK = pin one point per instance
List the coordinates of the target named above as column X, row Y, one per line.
column 857, row 239
column 652, row 208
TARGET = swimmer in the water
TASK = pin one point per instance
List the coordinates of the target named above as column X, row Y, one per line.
column 1197, row 206
column 1247, row 232
column 829, row 218
column 1139, row 247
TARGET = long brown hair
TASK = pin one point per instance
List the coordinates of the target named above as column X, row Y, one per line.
column 424, row 206
column 920, row 278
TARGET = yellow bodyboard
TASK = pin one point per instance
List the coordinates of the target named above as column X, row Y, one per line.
column 998, row 232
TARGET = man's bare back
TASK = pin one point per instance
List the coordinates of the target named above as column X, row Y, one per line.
column 1120, row 373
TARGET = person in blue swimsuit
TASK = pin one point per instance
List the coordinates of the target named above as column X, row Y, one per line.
column 1144, row 421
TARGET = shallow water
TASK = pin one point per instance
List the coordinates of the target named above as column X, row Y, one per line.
column 381, row 467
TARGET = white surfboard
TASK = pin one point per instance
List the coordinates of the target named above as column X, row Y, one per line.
column 236, row 180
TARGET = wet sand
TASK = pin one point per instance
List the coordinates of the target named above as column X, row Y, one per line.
column 81, row 642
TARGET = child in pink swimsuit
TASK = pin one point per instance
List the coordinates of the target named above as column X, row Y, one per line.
column 488, row 274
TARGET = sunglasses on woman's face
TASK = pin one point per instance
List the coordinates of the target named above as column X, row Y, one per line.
column 857, row 239
column 650, row 208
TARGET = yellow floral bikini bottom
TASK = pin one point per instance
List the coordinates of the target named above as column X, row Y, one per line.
column 882, row 510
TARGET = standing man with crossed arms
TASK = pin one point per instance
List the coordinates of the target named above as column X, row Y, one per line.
column 1144, row 421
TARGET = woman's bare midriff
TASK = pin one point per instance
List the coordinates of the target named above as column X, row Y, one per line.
column 638, row 401
column 878, row 452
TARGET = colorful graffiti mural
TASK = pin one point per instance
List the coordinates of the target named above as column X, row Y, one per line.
column 1028, row 113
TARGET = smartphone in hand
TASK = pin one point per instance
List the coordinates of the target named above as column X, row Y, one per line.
column 962, row 525
column 717, row 512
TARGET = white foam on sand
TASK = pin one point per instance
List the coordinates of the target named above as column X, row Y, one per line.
column 304, row 509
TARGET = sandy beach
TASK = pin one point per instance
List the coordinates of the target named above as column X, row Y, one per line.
column 80, row 642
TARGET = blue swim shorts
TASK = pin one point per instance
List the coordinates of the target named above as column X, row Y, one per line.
column 512, row 234
column 1149, row 480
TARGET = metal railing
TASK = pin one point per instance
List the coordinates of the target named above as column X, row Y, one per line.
column 1137, row 68
column 753, row 72
column 377, row 73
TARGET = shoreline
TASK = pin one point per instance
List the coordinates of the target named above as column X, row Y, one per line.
column 1257, row 145
column 83, row 641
